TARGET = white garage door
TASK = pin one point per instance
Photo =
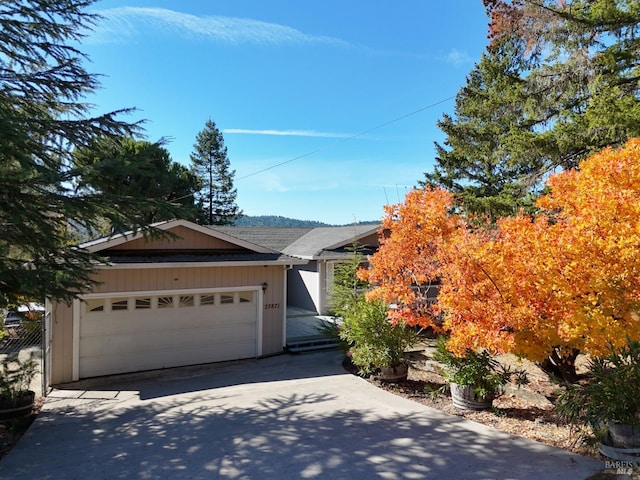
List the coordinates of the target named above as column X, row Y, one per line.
column 133, row 332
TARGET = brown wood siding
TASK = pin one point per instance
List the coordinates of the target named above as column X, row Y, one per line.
column 152, row 279
column 62, row 339
column 189, row 240
column 132, row 280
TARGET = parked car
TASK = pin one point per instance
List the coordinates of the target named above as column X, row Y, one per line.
column 12, row 320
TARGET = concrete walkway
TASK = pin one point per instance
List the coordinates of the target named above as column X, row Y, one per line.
column 285, row 417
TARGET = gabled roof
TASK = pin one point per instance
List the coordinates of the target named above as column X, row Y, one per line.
column 105, row 243
column 275, row 238
column 263, row 244
column 320, row 241
column 305, row 243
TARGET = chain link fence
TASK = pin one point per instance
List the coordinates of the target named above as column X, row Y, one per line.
column 21, row 339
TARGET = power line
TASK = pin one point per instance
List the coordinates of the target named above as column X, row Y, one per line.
column 329, row 145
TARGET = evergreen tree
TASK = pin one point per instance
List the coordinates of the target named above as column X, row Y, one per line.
column 139, row 169
column 42, row 122
column 347, row 288
column 474, row 162
column 558, row 82
column 217, row 199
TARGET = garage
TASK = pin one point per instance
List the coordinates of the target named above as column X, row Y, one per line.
column 189, row 296
column 128, row 332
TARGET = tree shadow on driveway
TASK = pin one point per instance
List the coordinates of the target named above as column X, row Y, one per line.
column 173, row 381
column 334, row 426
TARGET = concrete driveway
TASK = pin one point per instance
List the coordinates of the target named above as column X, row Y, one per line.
column 285, row 417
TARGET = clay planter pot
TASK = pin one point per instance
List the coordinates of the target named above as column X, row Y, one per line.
column 393, row 374
column 465, row 398
column 18, row 406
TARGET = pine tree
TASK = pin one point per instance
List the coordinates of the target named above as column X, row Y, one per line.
column 488, row 176
column 42, row 122
column 347, row 288
column 558, row 82
column 209, row 159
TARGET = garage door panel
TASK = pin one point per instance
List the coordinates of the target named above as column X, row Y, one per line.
column 136, row 339
column 108, row 365
column 160, row 357
column 134, row 322
column 176, row 338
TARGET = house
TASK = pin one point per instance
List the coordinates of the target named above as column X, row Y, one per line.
column 309, row 284
column 197, row 295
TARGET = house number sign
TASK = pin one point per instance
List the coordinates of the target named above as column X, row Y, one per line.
column 270, row 306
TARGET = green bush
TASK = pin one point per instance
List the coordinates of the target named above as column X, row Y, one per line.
column 16, row 376
column 373, row 342
column 611, row 394
column 479, row 370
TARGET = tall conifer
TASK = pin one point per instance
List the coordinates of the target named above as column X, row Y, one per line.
column 209, row 159
column 43, row 120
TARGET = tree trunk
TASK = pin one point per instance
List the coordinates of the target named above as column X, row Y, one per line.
column 561, row 366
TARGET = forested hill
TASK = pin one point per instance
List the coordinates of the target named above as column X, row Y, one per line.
column 275, row 221
column 278, row 221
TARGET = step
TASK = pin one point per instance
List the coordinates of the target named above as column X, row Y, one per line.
column 312, row 348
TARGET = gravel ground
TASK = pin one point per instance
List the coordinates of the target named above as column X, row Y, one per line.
column 527, row 411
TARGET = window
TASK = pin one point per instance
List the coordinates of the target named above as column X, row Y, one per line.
column 246, row 297
column 95, row 305
column 226, row 298
column 186, row 301
column 207, row 299
column 119, row 304
column 165, row 302
column 143, row 303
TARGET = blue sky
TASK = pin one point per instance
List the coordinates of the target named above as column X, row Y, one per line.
column 293, row 83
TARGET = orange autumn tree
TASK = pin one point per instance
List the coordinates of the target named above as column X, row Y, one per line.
column 544, row 288
column 407, row 261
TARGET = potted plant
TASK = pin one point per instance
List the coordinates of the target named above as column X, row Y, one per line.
column 375, row 345
column 476, row 378
column 16, row 397
column 609, row 401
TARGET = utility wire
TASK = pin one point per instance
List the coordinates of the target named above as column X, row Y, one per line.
column 329, row 145
column 356, row 135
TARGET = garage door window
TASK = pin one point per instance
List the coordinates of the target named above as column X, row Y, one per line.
column 207, row 299
column 246, row 297
column 119, row 304
column 95, row 305
column 165, row 302
column 186, row 301
column 149, row 302
column 142, row 303
column 226, row 298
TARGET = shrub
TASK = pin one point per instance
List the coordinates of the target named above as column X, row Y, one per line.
column 479, row 370
column 374, row 342
column 611, row 394
column 16, row 376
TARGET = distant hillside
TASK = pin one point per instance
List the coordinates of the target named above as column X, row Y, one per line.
column 278, row 221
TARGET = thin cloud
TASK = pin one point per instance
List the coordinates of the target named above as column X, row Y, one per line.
column 118, row 24
column 457, row 58
column 286, row 133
